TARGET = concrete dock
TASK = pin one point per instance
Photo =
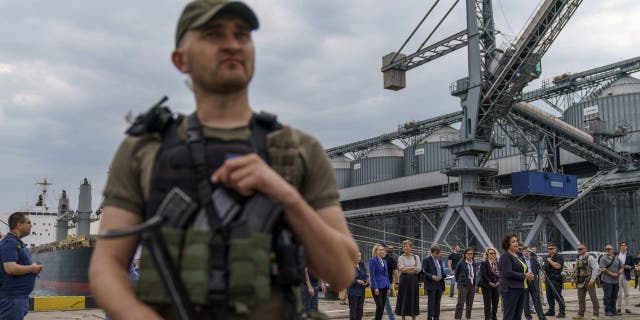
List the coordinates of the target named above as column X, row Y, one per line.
column 337, row 311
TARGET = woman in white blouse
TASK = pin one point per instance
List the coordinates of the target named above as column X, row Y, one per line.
column 409, row 266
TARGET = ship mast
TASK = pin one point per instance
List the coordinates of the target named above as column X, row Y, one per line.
column 42, row 198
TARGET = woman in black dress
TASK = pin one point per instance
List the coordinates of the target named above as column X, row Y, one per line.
column 488, row 281
column 409, row 266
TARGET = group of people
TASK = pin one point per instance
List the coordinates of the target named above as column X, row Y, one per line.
column 516, row 275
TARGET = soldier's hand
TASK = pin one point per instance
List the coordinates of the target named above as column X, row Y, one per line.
column 590, row 284
column 249, row 174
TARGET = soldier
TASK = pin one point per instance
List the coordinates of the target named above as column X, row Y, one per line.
column 584, row 278
column 231, row 188
column 553, row 275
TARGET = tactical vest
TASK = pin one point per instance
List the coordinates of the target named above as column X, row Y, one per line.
column 228, row 250
column 583, row 271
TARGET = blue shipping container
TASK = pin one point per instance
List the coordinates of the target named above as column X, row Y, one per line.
column 544, row 183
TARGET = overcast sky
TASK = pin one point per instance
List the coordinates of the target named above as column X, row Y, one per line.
column 70, row 70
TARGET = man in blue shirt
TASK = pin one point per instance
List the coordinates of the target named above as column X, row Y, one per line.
column 18, row 272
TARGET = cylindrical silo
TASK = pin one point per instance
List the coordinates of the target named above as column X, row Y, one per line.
column 382, row 163
column 618, row 105
column 342, row 168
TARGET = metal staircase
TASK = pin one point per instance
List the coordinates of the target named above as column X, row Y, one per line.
column 587, row 186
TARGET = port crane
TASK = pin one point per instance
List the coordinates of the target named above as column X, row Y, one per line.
column 496, row 78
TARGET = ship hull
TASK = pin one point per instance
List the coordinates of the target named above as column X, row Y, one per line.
column 65, row 271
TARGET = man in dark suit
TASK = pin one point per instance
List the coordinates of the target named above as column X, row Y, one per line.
column 434, row 282
column 532, row 292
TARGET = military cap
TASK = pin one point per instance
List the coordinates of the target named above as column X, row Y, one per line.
column 198, row 12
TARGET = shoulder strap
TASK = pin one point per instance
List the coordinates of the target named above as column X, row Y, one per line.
column 261, row 124
column 610, row 263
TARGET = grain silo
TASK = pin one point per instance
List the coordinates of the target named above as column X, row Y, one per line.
column 616, row 108
column 342, row 168
column 382, row 163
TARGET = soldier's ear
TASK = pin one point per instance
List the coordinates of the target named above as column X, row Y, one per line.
column 179, row 59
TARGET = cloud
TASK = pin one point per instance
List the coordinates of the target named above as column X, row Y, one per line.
column 71, row 70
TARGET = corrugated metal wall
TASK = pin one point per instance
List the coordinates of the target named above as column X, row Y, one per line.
column 596, row 217
column 613, row 110
column 343, row 177
column 425, row 157
column 369, row 170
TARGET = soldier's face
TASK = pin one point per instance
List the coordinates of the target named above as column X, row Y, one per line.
column 219, row 57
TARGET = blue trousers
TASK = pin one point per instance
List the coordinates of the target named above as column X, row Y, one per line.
column 389, row 310
column 14, row 308
column 452, row 288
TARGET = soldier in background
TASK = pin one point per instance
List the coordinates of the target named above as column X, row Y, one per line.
column 584, row 278
column 553, row 273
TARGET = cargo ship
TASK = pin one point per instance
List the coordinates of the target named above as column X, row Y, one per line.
column 66, row 260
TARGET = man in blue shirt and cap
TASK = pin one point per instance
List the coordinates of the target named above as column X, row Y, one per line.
column 18, row 272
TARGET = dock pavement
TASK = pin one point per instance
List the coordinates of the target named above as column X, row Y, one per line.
column 337, row 311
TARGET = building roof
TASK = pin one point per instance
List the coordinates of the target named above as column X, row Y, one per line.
column 624, row 85
column 385, row 150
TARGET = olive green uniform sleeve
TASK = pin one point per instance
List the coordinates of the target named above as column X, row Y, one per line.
column 319, row 187
column 130, row 174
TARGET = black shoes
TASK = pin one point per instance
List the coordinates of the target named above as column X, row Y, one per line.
column 561, row 315
column 550, row 313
